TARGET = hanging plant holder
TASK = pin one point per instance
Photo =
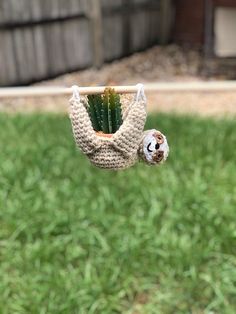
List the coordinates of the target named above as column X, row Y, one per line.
column 111, row 138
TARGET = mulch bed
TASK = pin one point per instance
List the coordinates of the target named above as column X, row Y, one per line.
column 169, row 64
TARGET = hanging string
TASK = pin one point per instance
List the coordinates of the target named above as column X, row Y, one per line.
column 75, row 93
column 140, row 93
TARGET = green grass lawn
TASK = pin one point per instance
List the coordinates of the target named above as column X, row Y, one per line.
column 148, row 240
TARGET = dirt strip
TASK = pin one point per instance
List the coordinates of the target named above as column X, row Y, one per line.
column 158, row 64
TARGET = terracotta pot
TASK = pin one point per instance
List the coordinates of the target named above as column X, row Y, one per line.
column 101, row 134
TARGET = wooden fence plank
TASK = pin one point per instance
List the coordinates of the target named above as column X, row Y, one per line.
column 43, row 38
column 77, row 44
column 23, row 68
column 40, row 52
column 22, row 11
column 126, row 21
column 54, row 44
column 166, row 16
column 35, row 8
column 29, row 54
column 112, row 4
column 154, row 27
column 113, row 28
column 10, row 75
column 139, row 30
column 3, row 70
column 95, row 15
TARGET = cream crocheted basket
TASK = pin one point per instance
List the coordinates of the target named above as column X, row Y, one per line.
column 127, row 145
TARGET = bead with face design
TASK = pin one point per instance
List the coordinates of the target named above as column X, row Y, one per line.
column 154, row 148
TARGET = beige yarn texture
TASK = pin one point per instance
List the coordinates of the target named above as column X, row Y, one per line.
column 121, row 150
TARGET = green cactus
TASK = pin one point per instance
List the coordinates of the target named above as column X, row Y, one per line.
column 105, row 111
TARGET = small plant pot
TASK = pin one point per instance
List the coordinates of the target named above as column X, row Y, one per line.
column 101, row 134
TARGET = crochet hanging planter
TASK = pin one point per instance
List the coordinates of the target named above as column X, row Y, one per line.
column 113, row 139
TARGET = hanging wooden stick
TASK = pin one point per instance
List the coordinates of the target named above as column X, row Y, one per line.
column 12, row 92
column 212, row 86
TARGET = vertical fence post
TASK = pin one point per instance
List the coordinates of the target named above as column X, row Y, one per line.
column 166, row 20
column 208, row 36
column 95, row 15
column 126, row 21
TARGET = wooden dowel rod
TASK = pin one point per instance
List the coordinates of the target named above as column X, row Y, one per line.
column 212, row 86
column 11, row 92
column 202, row 86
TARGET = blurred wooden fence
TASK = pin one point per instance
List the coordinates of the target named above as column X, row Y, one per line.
column 40, row 39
